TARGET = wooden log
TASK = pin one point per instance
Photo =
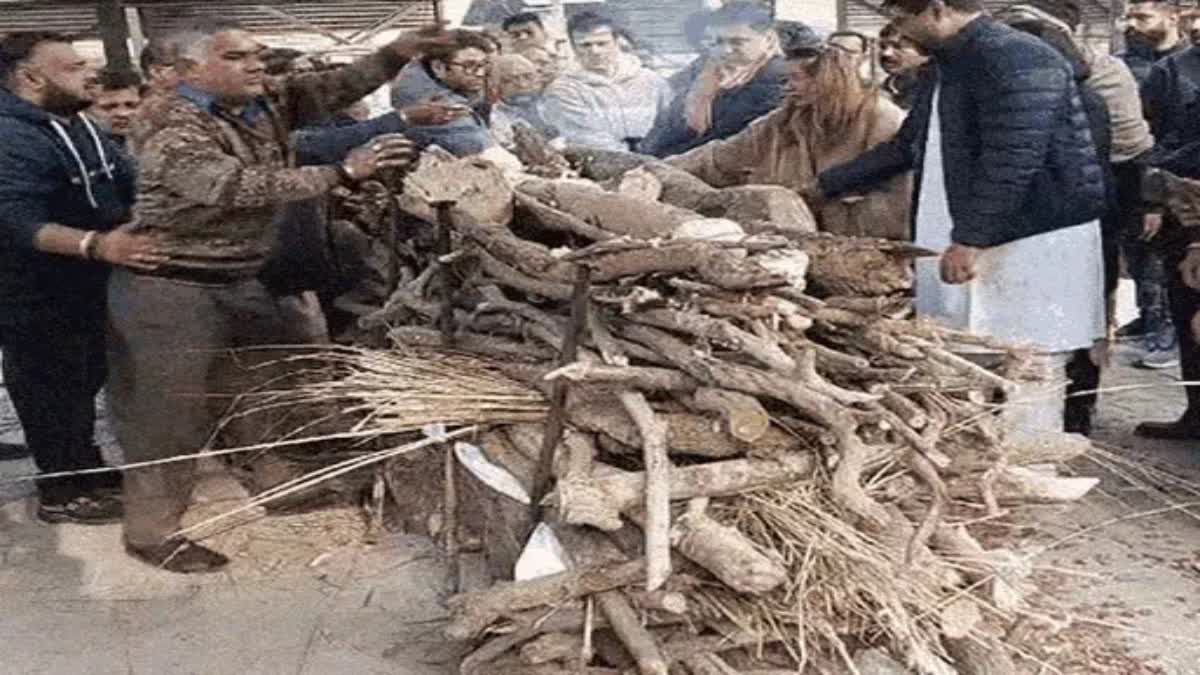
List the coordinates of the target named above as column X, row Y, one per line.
column 531, row 210
column 1021, row 485
column 617, row 213
column 478, row 189
column 484, row 345
column 511, row 277
column 631, row 377
column 725, row 552
column 602, row 165
column 714, row 479
column 653, row 433
column 745, row 418
column 663, row 601
column 474, row 611
column 529, row 257
column 761, row 208
column 699, row 325
column 625, row 623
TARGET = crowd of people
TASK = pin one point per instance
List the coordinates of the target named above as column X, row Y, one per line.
column 154, row 223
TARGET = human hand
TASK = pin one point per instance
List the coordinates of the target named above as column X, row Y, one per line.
column 433, row 112
column 412, row 44
column 958, row 264
column 383, row 152
column 123, row 248
column 1190, row 269
column 1151, row 225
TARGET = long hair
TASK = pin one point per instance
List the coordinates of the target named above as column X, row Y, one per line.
column 840, row 95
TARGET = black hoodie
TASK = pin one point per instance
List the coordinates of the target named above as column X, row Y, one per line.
column 63, row 171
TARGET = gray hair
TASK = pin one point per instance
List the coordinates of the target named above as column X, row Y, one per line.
column 193, row 40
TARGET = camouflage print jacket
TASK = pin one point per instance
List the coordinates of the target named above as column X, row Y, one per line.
column 211, row 180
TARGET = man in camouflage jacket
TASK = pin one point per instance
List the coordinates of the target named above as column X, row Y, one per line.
column 215, row 165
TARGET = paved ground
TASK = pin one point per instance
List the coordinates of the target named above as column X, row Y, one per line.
column 306, row 597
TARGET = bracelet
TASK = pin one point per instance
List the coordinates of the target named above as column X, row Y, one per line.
column 87, row 245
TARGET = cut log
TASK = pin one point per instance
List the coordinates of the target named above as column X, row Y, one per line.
column 474, row 611
column 530, row 209
column 1020, row 485
column 708, row 664
column 603, row 165
column 725, row 552
column 663, row 601
column 640, row 184
column 745, row 418
column 642, row 379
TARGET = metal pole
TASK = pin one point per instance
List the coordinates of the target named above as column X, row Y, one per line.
column 114, row 31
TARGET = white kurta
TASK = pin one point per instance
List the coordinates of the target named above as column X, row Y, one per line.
column 1045, row 291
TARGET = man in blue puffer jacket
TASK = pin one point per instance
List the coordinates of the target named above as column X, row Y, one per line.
column 1010, row 186
column 64, row 189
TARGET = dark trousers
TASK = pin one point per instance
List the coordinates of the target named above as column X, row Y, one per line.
column 1185, row 302
column 53, row 375
column 175, row 368
column 1143, row 259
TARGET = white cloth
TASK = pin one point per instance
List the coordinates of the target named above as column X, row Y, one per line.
column 1044, row 291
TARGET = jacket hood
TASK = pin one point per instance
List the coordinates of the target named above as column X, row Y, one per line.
column 15, row 107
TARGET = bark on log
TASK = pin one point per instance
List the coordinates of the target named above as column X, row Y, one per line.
column 653, row 433
column 708, row 664
column 631, row 377
column 725, row 552
column 699, row 325
column 511, row 277
column 474, row 611
column 663, row 601
column 761, row 208
column 1021, row 485
column 484, row 345
column 603, row 165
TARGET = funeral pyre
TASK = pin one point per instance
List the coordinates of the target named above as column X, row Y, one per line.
column 753, row 459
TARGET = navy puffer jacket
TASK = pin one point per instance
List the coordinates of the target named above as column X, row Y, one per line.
column 1019, row 156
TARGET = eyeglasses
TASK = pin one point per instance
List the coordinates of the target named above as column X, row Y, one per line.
column 476, row 67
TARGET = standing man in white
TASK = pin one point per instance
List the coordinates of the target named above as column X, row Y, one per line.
column 1009, row 189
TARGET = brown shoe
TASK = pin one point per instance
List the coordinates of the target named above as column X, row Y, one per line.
column 179, row 555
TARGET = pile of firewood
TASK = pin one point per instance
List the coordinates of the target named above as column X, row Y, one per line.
column 753, row 459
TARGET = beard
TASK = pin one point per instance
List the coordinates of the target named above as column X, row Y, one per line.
column 60, row 101
column 1153, row 36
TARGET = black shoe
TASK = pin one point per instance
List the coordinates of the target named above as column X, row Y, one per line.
column 107, row 484
column 1133, row 329
column 81, row 510
column 179, row 555
column 1183, row 429
column 13, row 451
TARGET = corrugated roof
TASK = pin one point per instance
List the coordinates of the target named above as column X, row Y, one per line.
column 338, row 16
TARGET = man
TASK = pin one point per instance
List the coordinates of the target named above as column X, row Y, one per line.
column 1008, row 181
column 1153, row 33
column 518, row 99
column 611, row 102
column 64, row 187
column 901, row 58
column 454, row 74
column 546, row 63
column 1169, row 95
column 214, row 169
column 743, row 78
column 1130, row 141
column 117, row 102
column 157, row 63
column 525, row 31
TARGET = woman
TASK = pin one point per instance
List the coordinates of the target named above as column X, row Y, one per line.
column 742, row 78
column 829, row 117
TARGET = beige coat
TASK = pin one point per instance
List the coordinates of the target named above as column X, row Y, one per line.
column 775, row 151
